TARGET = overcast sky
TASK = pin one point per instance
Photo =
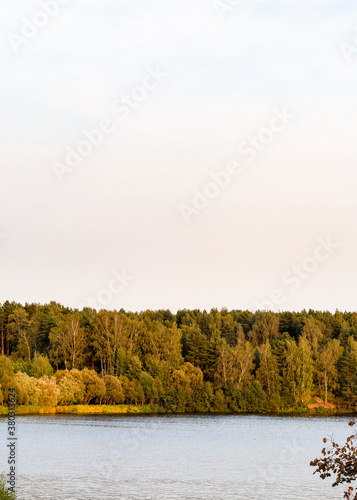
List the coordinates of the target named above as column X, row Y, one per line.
column 265, row 91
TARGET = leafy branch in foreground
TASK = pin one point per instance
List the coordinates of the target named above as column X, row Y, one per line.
column 340, row 461
column 5, row 494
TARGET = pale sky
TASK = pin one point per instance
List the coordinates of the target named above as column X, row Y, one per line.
column 207, row 78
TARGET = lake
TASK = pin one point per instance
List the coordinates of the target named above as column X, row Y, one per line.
column 171, row 457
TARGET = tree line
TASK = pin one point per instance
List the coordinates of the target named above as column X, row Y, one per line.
column 189, row 361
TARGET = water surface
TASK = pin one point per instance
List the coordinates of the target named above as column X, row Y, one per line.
column 209, row 457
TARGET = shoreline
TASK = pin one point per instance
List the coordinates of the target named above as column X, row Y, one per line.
column 154, row 410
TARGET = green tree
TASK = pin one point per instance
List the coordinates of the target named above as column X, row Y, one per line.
column 224, row 365
column 94, row 386
column 150, row 388
column 313, row 332
column 109, row 335
column 265, row 328
column 230, row 330
column 305, row 368
column 234, row 364
column 326, row 365
column 133, row 392
column 113, row 390
column 243, row 359
column 219, row 403
column 162, row 343
column 2, row 329
column 197, row 345
column 19, row 328
column 7, row 378
column 251, row 399
column 347, row 367
column 298, row 366
column 41, row 366
column 268, row 374
column 69, row 342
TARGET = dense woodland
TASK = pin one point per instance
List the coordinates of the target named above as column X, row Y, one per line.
column 185, row 362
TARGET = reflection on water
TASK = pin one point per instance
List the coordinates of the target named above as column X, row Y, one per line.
column 196, row 457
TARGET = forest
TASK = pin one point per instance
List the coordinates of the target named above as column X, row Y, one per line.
column 191, row 361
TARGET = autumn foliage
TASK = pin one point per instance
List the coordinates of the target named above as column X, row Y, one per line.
column 340, row 462
column 191, row 361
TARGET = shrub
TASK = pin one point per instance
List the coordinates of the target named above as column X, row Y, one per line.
column 5, row 494
column 114, row 391
column 219, row 401
column 149, row 387
column 133, row 392
column 94, row 386
column 252, row 398
column 42, row 366
column 29, row 385
column 49, row 392
column 23, row 366
column 71, row 387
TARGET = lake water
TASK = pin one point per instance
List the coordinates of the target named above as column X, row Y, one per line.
column 210, row 457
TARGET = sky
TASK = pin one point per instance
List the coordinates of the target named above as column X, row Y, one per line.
column 179, row 154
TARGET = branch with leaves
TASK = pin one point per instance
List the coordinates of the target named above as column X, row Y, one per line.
column 340, row 461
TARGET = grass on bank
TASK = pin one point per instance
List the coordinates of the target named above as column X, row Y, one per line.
column 83, row 409
column 5, row 494
column 147, row 409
